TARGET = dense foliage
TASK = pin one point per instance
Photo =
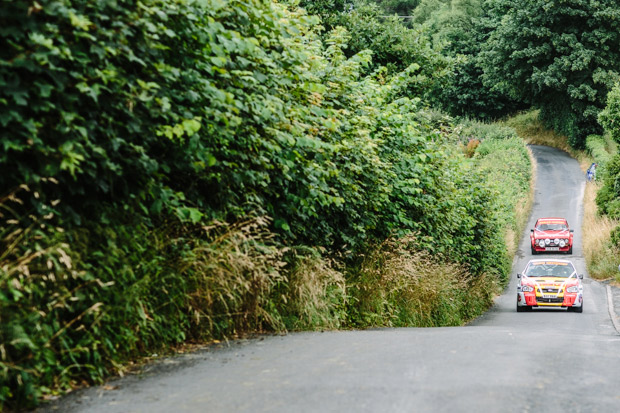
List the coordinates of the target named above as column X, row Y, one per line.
column 403, row 8
column 326, row 9
column 608, row 117
column 394, row 46
column 177, row 170
column 559, row 57
column 502, row 56
column 460, row 28
column 608, row 197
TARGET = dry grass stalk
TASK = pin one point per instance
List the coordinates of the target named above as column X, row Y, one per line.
column 401, row 286
column 601, row 258
column 236, row 274
column 530, row 129
column 317, row 291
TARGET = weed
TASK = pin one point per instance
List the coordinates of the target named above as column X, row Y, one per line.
column 470, row 149
column 398, row 285
column 315, row 293
column 234, row 269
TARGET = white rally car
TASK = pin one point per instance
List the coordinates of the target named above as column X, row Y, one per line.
column 550, row 283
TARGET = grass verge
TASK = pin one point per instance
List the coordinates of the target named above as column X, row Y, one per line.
column 602, row 258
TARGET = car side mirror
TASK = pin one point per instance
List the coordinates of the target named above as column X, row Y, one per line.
column 572, row 230
column 532, row 230
column 581, row 276
column 519, row 275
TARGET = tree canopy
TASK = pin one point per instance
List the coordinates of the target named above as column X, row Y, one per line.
column 561, row 57
column 459, row 29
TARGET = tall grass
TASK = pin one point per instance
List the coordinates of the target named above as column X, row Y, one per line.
column 234, row 269
column 246, row 282
column 398, row 285
column 316, row 292
column 38, row 311
column 602, row 257
column 533, row 132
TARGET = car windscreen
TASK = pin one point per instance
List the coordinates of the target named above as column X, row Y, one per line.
column 550, row 269
column 551, row 227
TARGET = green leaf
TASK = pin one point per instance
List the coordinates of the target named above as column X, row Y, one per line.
column 193, row 215
column 80, row 22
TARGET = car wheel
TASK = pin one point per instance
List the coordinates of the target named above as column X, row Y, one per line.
column 523, row 309
column 570, row 250
column 533, row 251
column 577, row 309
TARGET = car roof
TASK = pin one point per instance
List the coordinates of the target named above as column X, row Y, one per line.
column 548, row 220
column 550, row 261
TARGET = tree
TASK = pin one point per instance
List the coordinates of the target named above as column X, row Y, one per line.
column 561, row 57
column 459, row 29
column 608, row 197
column 400, row 7
column 394, row 46
column 326, row 9
column 610, row 116
column 428, row 8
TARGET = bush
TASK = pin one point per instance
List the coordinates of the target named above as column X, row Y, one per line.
column 609, row 116
column 501, row 152
column 599, row 148
column 615, row 237
column 569, row 122
column 608, row 197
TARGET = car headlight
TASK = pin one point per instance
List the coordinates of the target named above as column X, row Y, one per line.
column 541, row 243
column 547, row 241
column 556, row 241
column 573, row 289
column 562, row 243
column 527, row 288
column 566, row 241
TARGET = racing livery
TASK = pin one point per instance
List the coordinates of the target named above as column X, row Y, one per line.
column 551, row 235
column 550, row 284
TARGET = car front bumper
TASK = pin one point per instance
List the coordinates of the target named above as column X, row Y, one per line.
column 551, row 249
column 550, row 301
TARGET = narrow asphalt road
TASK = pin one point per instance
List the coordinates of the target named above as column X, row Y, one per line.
column 549, row 361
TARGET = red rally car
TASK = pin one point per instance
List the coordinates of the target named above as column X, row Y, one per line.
column 551, row 235
column 551, row 283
